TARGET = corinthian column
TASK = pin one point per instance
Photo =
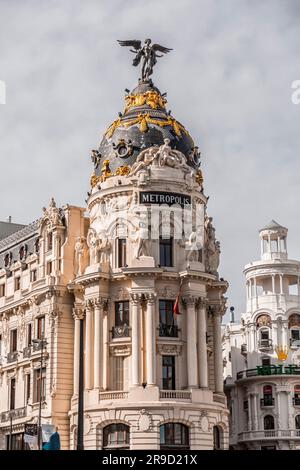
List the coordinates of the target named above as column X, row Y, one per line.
column 88, row 345
column 78, row 314
column 150, row 340
column 218, row 359
column 135, row 355
column 202, row 348
column 191, row 343
column 98, row 319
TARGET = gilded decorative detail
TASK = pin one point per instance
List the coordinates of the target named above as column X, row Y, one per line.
column 105, row 171
column 144, row 119
column 94, row 180
column 123, row 170
column 199, row 177
column 151, row 98
column 263, row 320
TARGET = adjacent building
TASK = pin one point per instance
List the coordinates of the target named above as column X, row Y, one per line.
column 262, row 353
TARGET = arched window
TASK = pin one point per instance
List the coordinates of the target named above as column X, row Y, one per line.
column 174, row 436
column 116, row 436
column 297, row 395
column 268, row 399
column 297, row 422
column 269, row 422
column 217, row 437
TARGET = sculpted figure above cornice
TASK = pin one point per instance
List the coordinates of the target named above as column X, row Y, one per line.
column 52, row 214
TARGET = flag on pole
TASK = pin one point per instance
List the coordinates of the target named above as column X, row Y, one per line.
column 177, row 302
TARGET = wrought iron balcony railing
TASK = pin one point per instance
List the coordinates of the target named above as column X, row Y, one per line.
column 37, row 344
column 294, row 343
column 267, row 401
column 265, row 344
column 168, row 331
column 121, row 331
column 13, row 414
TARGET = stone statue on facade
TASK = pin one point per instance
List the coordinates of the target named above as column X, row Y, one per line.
column 194, row 248
column 212, row 247
column 80, row 256
column 93, row 244
column 146, row 54
column 104, row 249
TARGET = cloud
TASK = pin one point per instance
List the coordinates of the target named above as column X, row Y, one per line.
column 228, row 80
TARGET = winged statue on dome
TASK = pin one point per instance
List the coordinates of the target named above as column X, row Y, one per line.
column 145, row 54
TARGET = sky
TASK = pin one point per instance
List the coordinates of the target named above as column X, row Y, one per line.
column 228, row 81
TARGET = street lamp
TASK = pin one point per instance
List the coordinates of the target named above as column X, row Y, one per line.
column 43, row 343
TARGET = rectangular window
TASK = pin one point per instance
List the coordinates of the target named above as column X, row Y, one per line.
column 49, row 268
column 12, row 398
column 39, row 385
column 295, row 335
column 33, row 275
column 2, row 290
column 13, row 347
column 29, row 334
column 121, row 252
column 17, row 283
column 40, row 328
column 28, row 386
column 49, row 241
column 166, row 252
column 167, row 320
column 168, row 365
column 122, row 313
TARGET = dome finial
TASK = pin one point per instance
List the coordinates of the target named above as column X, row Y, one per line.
column 146, row 54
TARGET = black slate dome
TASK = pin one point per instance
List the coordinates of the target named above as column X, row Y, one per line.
column 144, row 123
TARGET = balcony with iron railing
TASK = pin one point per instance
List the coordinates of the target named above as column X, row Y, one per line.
column 294, row 343
column 265, row 344
column 267, row 402
column 268, row 370
column 121, row 331
column 17, row 413
column 168, row 331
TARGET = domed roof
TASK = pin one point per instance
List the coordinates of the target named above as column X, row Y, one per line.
column 144, row 123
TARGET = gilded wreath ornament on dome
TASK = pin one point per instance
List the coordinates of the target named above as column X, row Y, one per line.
column 150, row 98
column 144, row 119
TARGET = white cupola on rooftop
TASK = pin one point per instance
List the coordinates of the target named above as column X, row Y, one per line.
column 273, row 241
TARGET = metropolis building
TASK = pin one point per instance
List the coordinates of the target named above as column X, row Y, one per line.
column 262, row 353
column 136, row 272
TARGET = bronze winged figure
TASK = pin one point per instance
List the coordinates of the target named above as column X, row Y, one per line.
column 145, row 54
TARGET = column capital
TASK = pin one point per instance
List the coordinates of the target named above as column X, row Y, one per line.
column 101, row 303
column 89, row 304
column 150, row 298
column 136, row 298
column 190, row 300
column 78, row 313
column 202, row 302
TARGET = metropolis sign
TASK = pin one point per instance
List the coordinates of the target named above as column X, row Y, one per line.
column 161, row 197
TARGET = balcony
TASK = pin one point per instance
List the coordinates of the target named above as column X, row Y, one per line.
column 175, row 395
column 268, row 434
column 115, row 395
column 13, row 414
column 168, row 331
column 37, row 344
column 122, row 331
column 267, row 402
column 268, row 370
column 296, row 401
column 265, row 344
column 27, row 352
column 12, row 356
